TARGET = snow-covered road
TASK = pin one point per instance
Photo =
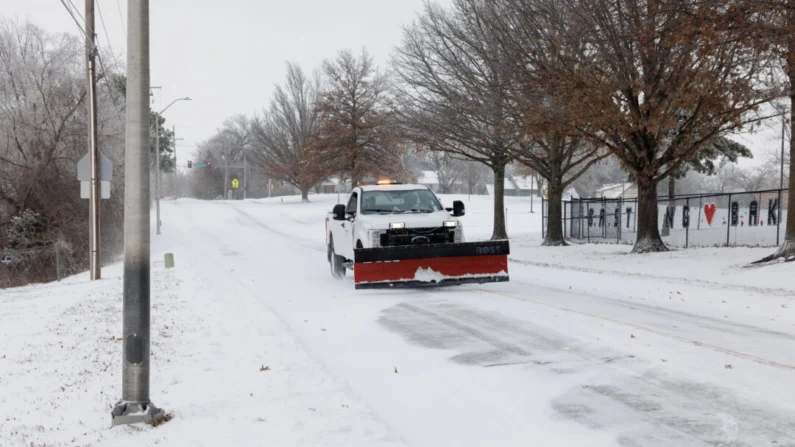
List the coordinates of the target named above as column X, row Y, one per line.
column 559, row 357
column 584, row 346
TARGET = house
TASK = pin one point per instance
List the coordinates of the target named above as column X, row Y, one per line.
column 617, row 190
column 517, row 186
column 330, row 186
column 430, row 179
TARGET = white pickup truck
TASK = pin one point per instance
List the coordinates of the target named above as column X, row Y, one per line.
column 401, row 234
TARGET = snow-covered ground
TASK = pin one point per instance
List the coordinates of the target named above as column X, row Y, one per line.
column 586, row 345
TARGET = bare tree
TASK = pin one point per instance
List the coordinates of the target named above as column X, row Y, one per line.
column 355, row 131
column 451, row 92
column 284, row 135
column 448, row 169
column 774, row 23
column 42, row 136
column 655, row 82
column 530, row 36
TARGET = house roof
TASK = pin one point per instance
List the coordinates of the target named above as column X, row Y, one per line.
column 618, row 186
column 428, row 178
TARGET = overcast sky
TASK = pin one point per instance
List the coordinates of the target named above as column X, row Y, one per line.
column 227, row 55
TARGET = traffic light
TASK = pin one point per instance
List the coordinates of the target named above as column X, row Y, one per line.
column 209, row 165
column 190, row 164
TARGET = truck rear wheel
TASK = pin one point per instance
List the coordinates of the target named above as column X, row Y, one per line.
column 335, row 262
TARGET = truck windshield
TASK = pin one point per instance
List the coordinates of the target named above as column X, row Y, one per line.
column 407, row 201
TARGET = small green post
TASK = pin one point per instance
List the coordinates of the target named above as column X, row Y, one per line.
column 169, row 260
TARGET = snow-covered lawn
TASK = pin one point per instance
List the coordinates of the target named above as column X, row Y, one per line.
column 586, row 345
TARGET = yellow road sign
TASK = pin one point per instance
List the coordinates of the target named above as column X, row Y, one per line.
column 235, row 183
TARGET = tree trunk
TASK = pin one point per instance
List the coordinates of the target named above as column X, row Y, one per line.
column 499, row 203
column 305, row 194
column 649, row 240
column 787, row 249
column 554, row 236
column 671, row 190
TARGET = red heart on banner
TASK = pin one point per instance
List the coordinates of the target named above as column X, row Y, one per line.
column 709, row 212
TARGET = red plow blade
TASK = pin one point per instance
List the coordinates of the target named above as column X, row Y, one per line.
column 431, row 265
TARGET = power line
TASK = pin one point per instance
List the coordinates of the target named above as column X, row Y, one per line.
column 121, row 16
column 102, row 19
column 102, row 63
column 69, row 10
column 77, row 10
column 107, row 84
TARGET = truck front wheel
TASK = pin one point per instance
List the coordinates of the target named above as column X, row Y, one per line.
column 335, row 262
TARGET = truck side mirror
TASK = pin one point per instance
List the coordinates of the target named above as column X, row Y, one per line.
column 458, row 208
column 339, row 212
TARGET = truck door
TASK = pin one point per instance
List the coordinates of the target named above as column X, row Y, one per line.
column 351, row 210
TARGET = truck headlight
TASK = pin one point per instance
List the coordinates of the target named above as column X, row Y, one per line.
column 450, row 224
column 375, row 237
column 397, row 225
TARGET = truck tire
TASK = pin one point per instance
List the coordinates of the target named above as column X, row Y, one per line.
column 335, row 261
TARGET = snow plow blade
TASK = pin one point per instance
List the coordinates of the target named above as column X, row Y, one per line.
column 431, row 265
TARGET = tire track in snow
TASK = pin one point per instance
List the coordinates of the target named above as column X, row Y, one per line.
column 653, row 409
column 659, row 332
column 670, row 279
column 306, row 243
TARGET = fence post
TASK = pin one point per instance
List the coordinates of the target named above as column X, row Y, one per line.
column 543, row 217
column 700, row 207
column 729, row 221
column 618, row 224
column 564, row 221
column 687, row 228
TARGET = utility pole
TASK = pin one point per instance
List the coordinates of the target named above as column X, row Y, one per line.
column 134, row 405
column 176, row 165
column 157, row 170
column 226, row 172
column 93, row 150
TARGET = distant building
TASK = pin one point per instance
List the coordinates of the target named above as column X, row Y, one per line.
column 330, row 186
column 430, row 179
column 617, row 190
column 516, row 186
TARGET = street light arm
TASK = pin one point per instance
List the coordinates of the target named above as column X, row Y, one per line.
column 172, row 103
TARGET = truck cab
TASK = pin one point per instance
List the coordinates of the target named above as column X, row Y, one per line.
column 390, row 216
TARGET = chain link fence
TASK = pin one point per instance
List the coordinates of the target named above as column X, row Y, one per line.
column 754, row 219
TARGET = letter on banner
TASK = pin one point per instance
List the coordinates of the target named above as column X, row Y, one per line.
column 670, row 211
column 685, row 216
column 772, row 212
column 735, row 215
column 753, row 214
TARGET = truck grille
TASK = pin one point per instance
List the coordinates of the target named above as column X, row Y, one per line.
column 417, row 236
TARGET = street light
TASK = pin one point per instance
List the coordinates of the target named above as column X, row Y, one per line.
column 157, row 155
